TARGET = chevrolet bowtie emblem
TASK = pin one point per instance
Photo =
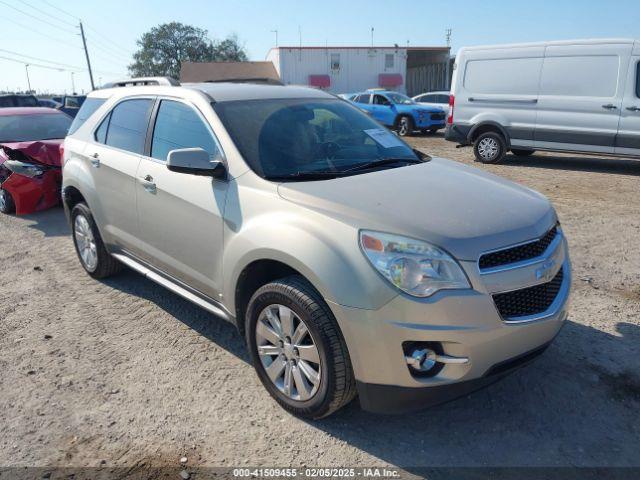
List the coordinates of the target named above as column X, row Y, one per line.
column 545, row 272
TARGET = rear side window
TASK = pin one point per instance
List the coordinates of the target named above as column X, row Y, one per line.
column 179, row 126
column 507, row 76
column 363, row 98
column 128, row 125
column 26, row 102
column 88, row 107
column 442, row 99
column 580, row 76
column 638, row 80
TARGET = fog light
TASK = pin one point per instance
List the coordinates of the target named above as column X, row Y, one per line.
column 426, row 359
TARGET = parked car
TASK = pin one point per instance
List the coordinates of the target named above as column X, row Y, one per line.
column 30, row 168
column 434, row 99
column 49, row 103
column 70, row 104
column 569, row 96
column 350, row 262
column 400, row 112
column 18, row 100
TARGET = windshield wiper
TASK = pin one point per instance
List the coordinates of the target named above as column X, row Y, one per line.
column 382, row 162
column 319, row 175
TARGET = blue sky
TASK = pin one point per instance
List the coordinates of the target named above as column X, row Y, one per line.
column 41, row 31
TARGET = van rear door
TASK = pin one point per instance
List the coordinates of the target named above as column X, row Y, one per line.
column 581, row 96
column 628, row 139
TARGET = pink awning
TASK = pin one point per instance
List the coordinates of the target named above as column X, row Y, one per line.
column 389, row 79
column 321, row 81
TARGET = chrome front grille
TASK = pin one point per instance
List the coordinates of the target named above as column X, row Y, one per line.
column 518, row 253
column 529, row 301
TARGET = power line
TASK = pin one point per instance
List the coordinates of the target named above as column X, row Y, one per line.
column 108, row 51
column 59, row 69
column 37, row 18
column 108, row 39
column 60, row 9
column 40, row 59
column 37, row 32
column 49, row 15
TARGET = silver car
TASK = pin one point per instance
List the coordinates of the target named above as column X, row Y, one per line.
column 352, row 264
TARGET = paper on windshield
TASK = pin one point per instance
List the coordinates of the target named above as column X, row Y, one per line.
column 384, row 137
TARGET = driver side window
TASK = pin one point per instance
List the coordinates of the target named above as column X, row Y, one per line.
column 380, row 100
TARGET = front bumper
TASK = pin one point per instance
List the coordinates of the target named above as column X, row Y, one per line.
column 428, row 122
column 465, row 323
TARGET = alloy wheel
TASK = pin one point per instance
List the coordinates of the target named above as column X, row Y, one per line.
column 3, row 200
column 404, row 126
column 288, row 352
column 488, row 148
column 85, row 242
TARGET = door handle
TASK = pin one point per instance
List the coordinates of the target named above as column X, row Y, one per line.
column 148, row 183
column 609, row 106
column 633, row 109
column 95, row 160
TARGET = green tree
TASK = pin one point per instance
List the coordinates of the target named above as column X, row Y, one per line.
column 163, row 48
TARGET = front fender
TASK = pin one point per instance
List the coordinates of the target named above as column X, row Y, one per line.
column 323, row 250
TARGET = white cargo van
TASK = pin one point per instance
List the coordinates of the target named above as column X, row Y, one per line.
column 568, row 96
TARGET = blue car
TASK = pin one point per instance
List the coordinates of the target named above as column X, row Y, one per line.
column 400, row 112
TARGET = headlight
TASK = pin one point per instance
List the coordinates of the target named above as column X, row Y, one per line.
column 24, row 168
column 415, row 267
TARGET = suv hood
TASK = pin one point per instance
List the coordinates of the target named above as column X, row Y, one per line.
column 462, row 209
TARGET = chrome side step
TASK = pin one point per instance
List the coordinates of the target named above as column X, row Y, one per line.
column 173, row 286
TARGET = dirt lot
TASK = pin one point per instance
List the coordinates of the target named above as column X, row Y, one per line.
column 124, row 373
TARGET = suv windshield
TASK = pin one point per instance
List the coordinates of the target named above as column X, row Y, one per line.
column 400, row 99
column 312, row 138
column 27, row 128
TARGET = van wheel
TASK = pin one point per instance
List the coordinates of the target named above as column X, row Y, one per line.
column 522, row 152
column 404, row 126
column 298, row 350
column 489, row 147
column 89, row 246
column 7, row 205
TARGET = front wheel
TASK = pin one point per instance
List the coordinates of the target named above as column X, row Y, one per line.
column 298, row 350
column 489, row 147
column 93, row 255
column 405, row 126
column 7, row 205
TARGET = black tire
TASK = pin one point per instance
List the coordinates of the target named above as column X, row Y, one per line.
column 489, row 147
column 106, row 264
column 7, row 205
column 522, row 152
column 404, row 126
column 337, row 383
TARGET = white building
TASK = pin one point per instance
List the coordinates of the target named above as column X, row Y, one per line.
column 409, row 70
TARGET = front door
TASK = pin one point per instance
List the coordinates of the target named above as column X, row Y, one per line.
column 383, row 110
column 580, row 97
column 628, row 139
column 180, row 215
column 113, row 157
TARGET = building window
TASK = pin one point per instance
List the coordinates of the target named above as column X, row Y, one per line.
column 335, row 61
column 388, row 60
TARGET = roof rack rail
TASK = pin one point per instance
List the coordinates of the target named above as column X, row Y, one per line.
column 141, row 81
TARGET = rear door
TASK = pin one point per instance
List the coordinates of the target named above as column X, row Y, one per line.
column 113, row 157
column 581, row 90
column 180, row 215
column 628, row 139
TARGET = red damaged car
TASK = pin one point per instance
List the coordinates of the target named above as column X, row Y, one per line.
column 30, row 159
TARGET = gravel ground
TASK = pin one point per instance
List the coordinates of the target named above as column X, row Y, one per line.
column 124, row 373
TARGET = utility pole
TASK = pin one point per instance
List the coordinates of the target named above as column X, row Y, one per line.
column 86, row 53
column 73, row 85
column 276, row 32
column 371, row 37
column 447, row 83
column 26, row 68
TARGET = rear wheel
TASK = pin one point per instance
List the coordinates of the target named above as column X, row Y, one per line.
column 298, row 350
column 522, row 152
column 7, row 205
column 89, row 246
column 489, row 147
column 405, row 126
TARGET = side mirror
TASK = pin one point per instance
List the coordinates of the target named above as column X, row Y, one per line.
column 194, row 161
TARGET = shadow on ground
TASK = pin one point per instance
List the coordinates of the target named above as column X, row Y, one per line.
column 575, row 406
column 616, row 166
column 52, row 222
